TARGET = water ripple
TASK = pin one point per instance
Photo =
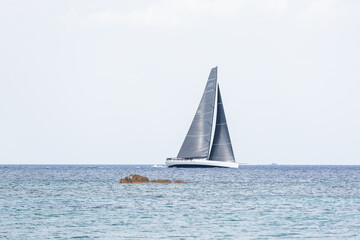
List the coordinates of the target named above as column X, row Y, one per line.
column 252, row 202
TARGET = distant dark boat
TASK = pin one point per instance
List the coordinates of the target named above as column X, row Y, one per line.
column 195, row 150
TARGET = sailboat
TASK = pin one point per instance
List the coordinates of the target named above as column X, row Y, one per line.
column 201, row 148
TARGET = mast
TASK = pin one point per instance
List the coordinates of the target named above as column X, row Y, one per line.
column 197, row 140
column 221, row 149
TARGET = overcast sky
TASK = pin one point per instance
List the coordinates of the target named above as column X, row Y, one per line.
column 118, row 82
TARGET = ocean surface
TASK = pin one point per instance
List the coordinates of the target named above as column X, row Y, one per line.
column 252, row 202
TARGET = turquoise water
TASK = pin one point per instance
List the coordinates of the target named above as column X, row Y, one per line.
column 252, row 202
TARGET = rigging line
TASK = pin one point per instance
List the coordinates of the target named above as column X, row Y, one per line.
column 206, row 140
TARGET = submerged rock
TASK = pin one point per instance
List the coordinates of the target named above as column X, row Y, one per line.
column 178, row 181
column 161, row 181
column 134, row 178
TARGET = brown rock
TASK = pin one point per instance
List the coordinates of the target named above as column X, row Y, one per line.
column 133, row 178
column 125, row 180
column 138, row 179
column 161, row 181
column 178, row 181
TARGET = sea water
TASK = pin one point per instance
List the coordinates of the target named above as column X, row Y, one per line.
column 252, row 202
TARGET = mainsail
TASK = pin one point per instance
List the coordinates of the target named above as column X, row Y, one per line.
column 221, row 149
column 197, row 140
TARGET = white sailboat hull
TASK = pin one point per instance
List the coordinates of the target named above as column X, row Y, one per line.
column 199, row 163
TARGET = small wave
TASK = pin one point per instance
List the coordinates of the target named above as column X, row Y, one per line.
column 158, row 166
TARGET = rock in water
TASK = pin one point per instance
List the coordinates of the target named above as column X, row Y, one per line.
column 178, row 181
column 133, row 178
column 161, row 181
column 124, row 180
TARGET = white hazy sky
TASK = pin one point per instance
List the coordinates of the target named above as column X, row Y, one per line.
column 118, row 82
